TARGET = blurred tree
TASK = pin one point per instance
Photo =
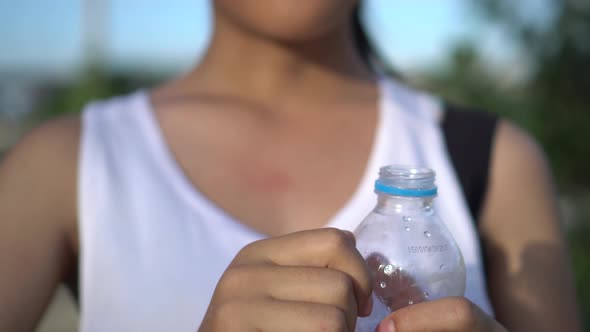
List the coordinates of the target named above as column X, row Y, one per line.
column 551, row 100
column 94, row 83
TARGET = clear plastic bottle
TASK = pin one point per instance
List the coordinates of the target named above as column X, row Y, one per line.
column 411, row 254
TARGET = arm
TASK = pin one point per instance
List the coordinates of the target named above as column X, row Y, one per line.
column 37, row 221
column 529, row 279
column 529, row 275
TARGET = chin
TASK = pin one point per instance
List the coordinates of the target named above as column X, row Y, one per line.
column 289, row 21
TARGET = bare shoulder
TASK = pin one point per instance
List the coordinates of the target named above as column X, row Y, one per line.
column 61, row 134
column 515, row 150
column 40, row 171
column 49, row 149
column 37, row 220
column 523, row 240
column 521, row 185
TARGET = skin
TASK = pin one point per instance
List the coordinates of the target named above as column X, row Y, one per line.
column 297, row 71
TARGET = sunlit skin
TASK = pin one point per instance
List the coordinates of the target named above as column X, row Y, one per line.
column 283, row 106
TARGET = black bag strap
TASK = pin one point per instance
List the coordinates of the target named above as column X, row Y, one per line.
column 469, row 136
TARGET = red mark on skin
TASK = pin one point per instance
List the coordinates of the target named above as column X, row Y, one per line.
column 266, row 181
column 276, row 182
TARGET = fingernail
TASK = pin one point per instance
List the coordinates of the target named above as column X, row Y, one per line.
column 386, row 326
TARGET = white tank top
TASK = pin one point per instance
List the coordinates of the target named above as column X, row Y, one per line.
column 152, row 246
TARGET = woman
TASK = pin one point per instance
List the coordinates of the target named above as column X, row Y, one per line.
column 154, row 194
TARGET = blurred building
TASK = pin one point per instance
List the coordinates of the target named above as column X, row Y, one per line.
column 21, row 95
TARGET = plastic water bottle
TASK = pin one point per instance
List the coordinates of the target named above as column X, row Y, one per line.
column 410, row 253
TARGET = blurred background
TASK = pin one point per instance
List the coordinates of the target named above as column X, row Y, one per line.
column 527, row 60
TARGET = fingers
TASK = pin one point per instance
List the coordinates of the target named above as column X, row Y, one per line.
column 325, row 248
column 295, row 284
column 306, row 281
column 250, row 315
column 315, row 285
column 449, row 314
column 288, row 316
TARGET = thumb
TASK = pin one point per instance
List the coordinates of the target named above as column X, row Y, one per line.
column 448, row 314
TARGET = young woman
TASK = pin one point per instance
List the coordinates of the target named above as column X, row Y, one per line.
column 214, row 202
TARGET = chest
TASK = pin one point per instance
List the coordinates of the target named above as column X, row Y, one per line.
column 149, row 244
column 275, row 175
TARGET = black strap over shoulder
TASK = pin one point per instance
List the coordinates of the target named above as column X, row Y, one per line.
column 469, row 136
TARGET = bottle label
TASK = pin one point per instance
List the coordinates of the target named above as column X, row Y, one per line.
column 428, row 249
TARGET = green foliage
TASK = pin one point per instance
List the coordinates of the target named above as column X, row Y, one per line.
column 92, row 84
column 579, row 248
column 552, row 101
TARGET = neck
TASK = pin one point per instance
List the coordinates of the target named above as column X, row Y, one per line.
column 257, row 67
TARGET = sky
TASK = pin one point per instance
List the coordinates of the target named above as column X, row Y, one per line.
column 47, row 35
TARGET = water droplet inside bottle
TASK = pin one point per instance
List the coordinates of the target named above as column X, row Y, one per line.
column 388, row 269
column 383, row 284
column 406, row 219
column 410, row 302
column 426, row 295
column 407, row 229
column 442, row 267
column 427, row 233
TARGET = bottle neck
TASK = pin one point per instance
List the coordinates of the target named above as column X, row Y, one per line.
column 389, row 204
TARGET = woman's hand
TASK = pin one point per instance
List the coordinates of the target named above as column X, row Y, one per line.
column 307, row 281
column 455, row 314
